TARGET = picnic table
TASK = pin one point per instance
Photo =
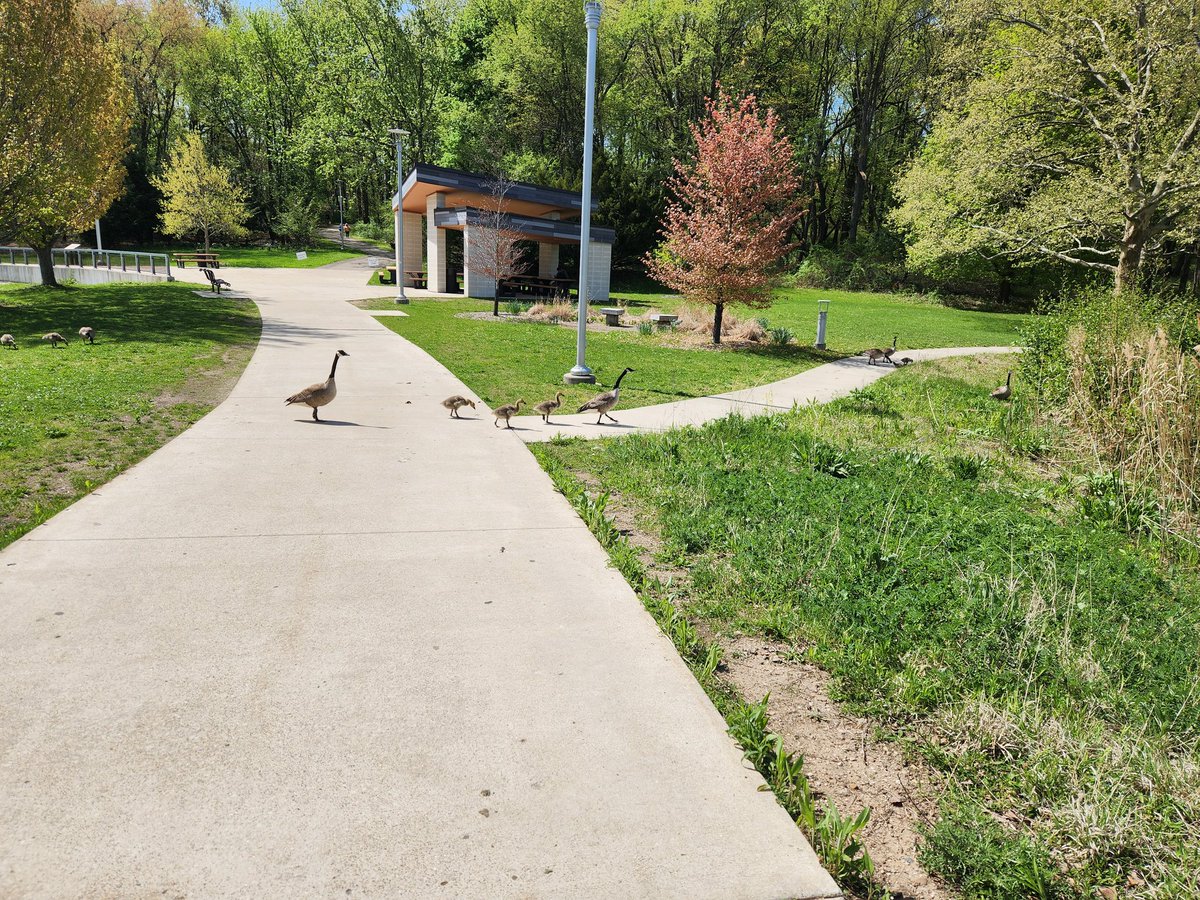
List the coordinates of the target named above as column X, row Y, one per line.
column 387, row 275
column 535, row 286
column 201, row 259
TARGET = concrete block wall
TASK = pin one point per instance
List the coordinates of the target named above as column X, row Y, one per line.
column 475, row 284
column 599, row 272
column 548, row 255
column 33, row 275
column 414, row 242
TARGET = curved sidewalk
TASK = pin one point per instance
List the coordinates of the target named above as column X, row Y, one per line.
column 819, row 385
column 378, row 656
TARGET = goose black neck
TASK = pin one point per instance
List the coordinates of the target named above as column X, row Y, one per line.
column 619, row 377
column 333, row 369
column 1008, row 380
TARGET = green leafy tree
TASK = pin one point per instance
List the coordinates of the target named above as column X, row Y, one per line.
column 63, row 125
column 1073, row 133
column 199, row 197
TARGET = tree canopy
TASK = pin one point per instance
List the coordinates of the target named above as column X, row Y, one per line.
column 199, row 197
column 64, row 123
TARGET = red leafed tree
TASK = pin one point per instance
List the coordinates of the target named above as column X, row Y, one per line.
column 735, row 205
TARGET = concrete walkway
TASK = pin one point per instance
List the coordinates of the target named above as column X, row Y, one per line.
column 376, row 657
column 819, row 385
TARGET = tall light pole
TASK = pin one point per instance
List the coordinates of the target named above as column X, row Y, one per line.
column 581, row 374
column 341, row 218
column 400, row 134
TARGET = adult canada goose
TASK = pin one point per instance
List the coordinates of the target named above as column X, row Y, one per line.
column 7, row 340
column 602, row 403
column 1003, row 393
column 548, row 406
column 455, row 403
column 891, row 351
column 88, row 333
column 321, row 393
column 506, row 412
column 54, row 338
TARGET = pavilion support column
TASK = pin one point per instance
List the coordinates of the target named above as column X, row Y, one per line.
column 435, row 246
column 599, row 271
column 475, row 284
column 413, row 242
column 548, row 255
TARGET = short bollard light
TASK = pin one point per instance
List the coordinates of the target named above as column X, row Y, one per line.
column 822, row 315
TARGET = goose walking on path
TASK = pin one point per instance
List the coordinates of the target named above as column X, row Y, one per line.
column 891, row 351
column 506, row 412
column 455, row 403
column 1003, row 393
column 55, row 339
column 321, row 393
column 548, row 406
column 7, row 340
column 607, row 401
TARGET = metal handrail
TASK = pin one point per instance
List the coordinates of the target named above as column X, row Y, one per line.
column 98, row 259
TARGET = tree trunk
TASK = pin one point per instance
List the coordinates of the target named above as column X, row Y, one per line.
column 717, row 316
column 1133, row 243
column 206, row 247
column 46, row 264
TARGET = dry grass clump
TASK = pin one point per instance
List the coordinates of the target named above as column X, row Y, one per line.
column 553, row 312
column 693, row 320
column 1137, row 397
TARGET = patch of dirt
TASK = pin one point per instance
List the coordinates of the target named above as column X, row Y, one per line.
column 842, row 760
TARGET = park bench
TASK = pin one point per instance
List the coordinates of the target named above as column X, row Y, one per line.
column 612, row 315
column 663, row 319
column 210, row 260
column 214, row 282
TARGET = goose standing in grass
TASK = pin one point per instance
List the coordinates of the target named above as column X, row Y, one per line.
column 7, row 340
column 1003, row 393
column 506, row 412
column 54, row 338
column 891, row 351
column 321, row 393
column 455, row 403
column 607, row 401
column 88, row 333
column 548, row 406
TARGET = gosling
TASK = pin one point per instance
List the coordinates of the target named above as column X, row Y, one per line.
column 506, row 412
column 55, row 339
column 7, row 340
column 548, row 406
column 321, row 393
column 88, row 333
column 455, row 403
column 906, row 360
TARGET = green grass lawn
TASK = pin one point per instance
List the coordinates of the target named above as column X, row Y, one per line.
column 73, row 418
column 319, row 254
column 504, row 361
column 928, row 547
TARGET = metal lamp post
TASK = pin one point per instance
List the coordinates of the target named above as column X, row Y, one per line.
column 341, row 218
column 581, row 374
column 400, row 134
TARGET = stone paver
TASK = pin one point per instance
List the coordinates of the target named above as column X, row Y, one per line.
column 377, row 657
column 819, row 385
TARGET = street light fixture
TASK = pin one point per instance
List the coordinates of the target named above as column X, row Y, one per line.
column 400, row 134
column 581, row 374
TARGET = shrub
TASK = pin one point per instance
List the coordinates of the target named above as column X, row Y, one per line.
column 553, row 312
column 645, row 328
column 514, row 307
column 781, row 337
column 296, row 224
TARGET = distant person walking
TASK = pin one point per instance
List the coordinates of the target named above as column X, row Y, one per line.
column 346, row 229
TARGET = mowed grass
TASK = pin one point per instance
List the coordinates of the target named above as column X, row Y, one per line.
column 504, row 361
column 320, row 254
column 930, row 548
column 71, row 419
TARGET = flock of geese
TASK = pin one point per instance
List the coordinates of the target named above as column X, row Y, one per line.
column 875, row 354
column 322, row 393
column 54, row 338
